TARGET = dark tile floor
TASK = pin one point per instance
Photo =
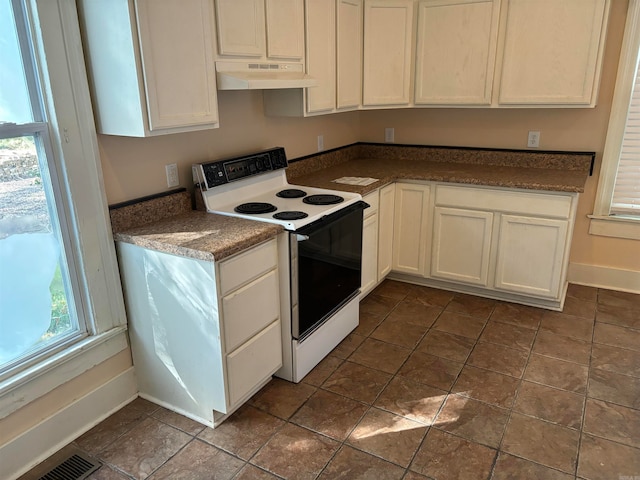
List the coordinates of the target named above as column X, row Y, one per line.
column 431, row 385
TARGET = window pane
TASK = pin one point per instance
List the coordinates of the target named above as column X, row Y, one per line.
column 36, row 308
column 15, row 106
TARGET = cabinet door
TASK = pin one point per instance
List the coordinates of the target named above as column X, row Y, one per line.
column 285, row 28
column 240, row 27
column 369, row 254
column 321, row 54
column 455, row 51
column 551, row 51
column 385, row 230
column 461, row 245
column 177, row 59
column 410, row 242
column 253, row 363
column 349, row 51
column 388, row 27
column 531, row 255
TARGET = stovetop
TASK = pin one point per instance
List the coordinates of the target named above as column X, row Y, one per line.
column 258, row 182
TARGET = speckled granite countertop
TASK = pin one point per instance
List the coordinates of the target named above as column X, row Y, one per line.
column 551, row 171
column 166, row 222
column 193, row 234
column 201, row 235
column 489, row 175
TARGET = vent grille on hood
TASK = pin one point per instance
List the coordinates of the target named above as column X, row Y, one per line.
column 261, row 76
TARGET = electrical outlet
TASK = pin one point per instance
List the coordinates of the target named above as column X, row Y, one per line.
column 533, row 140
column 389, row 134
column 172, row 175
column 320, row 143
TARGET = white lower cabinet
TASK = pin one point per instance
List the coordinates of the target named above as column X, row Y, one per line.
column 386, row 205
column 531, row 255
column 502, row 243
column 411, row 218
column 205, row 336
column 461, row 245
column 370, row 245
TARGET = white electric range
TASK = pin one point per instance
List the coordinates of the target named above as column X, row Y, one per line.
column 321, row 257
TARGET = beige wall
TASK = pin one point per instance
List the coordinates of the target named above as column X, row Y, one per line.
column 135, row 167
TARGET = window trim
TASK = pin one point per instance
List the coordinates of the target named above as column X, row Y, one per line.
column 602, row 223
column 66, row 102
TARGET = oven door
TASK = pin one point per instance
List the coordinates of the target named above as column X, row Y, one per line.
column 326, row 262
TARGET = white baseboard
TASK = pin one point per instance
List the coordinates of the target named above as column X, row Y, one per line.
column 21, row 454
column 604, row 277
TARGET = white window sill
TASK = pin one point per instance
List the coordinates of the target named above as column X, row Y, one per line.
column 611, row 226
column 32, row 383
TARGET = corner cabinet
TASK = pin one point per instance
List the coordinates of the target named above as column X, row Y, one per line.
column 550, row 53
column 456, row 51
column 388, row 45
column 151, row 65
column 205, row 335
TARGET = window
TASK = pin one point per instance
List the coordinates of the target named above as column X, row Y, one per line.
column 61, row 306
column 37, row 309
column 617, row 207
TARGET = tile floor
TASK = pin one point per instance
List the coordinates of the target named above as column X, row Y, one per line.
column 431, row 385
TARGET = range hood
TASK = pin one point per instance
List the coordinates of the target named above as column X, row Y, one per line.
column 261, row 76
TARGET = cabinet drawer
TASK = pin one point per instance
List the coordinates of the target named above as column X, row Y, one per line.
column 247, row 266
column 249, row 309
column 373, row 200
column 528, row 203
column 253, row 362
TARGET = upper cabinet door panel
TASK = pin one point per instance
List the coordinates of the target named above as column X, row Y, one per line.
column 241, row 27
column 455, row 52
column 285, row 29
column 388, row 32
column 551, row 51
column 349, row 51
column 176, row 44
column 321, row 54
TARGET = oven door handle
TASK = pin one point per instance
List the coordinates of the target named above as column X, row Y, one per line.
column 301, row 238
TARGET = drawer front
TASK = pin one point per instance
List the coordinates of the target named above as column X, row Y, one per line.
column 249, row 309
column 527, row 203
column 373, row 200
column 242, row 268
column 254, row 362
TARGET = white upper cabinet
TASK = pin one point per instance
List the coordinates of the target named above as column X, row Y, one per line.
column 388, row 34
column 240, row 27
column 260, row 29
column 349, row 54
column 285, row 29
column 455, row 51
column 321, row 54
column 550, row 51
column 151, row 66
column 333, row 56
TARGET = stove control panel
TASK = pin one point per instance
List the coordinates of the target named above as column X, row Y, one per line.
column 232, row 169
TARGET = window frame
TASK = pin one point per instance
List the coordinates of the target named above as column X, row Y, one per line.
column 602, row 223
column 57, row 48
